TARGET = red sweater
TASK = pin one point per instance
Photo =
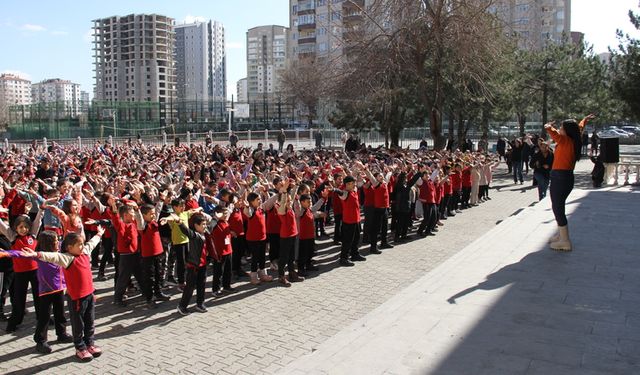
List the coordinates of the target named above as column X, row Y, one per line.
column 126, row 234
column 150, row 243
column 256, row 227
column 24, row 264
column 381, row 196
column 288, row 226
column 218, row 241
column 236, row 222
column 307, row 228
column 466, row 177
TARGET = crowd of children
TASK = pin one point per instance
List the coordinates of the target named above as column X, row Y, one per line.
column 164, row 214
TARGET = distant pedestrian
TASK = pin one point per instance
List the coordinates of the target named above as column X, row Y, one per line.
column 282, row 138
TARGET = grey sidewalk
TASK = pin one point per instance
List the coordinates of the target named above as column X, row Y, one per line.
column 506, row 304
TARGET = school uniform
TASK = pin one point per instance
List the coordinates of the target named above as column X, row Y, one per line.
column 151, row 250
column 256, row 238
column 380, row 216
column 238, row 243
column 273, row 233
column 350, row 226
column 288, row 235
column 196, row 266
column 129, row 255
column 80, row 297
column 427, row 197
column 338, row 210
column 218, row 246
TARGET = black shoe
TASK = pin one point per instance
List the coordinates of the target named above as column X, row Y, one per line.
column 43, row 347
column 151, row 304
column 346, row 263
column 386, row 246
column 302, row 272
column 183, row 310
column 66, row 338
column 11, row 328
column 162, row 297
column 375, row 251
column 336, row 242
column 218, row 293
column 358, row 258
column 229, row 290
column 121, row 303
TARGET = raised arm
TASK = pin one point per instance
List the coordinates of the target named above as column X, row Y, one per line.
column 37, row 222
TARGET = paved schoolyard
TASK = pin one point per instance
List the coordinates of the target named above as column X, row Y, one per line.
column 260, row 329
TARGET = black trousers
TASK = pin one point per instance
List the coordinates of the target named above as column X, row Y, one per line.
column 239, row 246
column 561, row 186
column 466, row 194
column 55, row 300
column 6, row 279
column 454, row 201
column 305, row 252
column 129, row 265
column 257, row 249
column 196, row 278
column 379, row 227
column 369, row 212
column 274, row 246
column 430, row 217
column 402, row 226
column 287, row 255
column 82, row 315
column 444, row 205
column 350, row 240
column 21, row 281
column 152, row 276
column 178, row 252
column 337, row 231
column 222, row 273
column 107, row 255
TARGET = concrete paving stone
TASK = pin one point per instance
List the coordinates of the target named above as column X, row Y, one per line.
column 540, row 367
column 610, row 363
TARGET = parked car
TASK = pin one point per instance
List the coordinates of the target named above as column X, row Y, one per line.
column 631, row 129
column 613, row 133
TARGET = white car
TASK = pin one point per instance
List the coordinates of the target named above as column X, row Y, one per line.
column 612, row 133
column 635, row 130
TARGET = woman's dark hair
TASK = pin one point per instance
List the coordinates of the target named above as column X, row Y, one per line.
column 573, row 131
column 70, row 239
column 402, row 179
column 66, row 206
column 47, row 241
column 22, row 219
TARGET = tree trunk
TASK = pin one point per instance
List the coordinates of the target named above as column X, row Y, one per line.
column 462, row 132
column 545, row 94
column 522, row 120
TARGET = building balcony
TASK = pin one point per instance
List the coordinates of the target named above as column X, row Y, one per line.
column 352, row 17
column 303, row 12
column 307, row 40
column 307, row 26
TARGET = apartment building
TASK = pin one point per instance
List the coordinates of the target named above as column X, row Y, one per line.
column 201, row 62
column 134, row 60
column 60, row 91
column 266, row 59
column 14, row 90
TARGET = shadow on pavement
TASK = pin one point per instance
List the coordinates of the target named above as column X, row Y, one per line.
column 563, row 312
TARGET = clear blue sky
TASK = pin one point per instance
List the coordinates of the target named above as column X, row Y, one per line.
column 50, row 38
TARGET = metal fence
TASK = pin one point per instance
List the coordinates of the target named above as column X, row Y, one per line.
column 299, row 138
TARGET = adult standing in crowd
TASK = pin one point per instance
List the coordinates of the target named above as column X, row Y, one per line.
column 282, row 138
column 516, row 160
column 541, row 163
